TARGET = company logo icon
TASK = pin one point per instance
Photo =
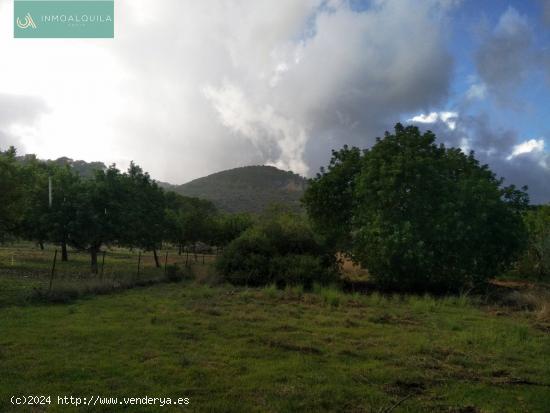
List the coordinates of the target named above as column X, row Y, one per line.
column 26, row 22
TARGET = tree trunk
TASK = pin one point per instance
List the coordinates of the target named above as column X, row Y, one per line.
column 41, row 245
column 93, row 255
column 64, row 255
column 157, row 263
column 179, row 248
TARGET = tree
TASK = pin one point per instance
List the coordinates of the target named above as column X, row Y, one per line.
column 536, row 259
column 65, row 186
column 34, row 225
column 330, row 197
column 41, row 221
column 227, row 227
column 422, row 216
column 100, row 217
column 144, row 214
column 188, row 220
column 12, row 198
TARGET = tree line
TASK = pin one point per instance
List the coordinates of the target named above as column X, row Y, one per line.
column 419, row 216
column 48, row 202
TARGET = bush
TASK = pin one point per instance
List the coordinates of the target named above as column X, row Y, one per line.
column 535, row 262
column 300, row 270
column 419, row 216
column 174, row 273
column 246, row 260
column 282, row 250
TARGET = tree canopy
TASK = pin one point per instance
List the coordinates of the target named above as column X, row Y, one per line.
column 417, row 215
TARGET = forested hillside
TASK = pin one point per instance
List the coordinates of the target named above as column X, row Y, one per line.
column 82, row 168
column 247, row 189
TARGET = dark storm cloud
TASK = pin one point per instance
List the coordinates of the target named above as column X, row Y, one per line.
column 17, row 110
column 499, row 149
column 531, row 169
column 505, row 55
column 279, row 83
column 508, row 56
column 546, row 11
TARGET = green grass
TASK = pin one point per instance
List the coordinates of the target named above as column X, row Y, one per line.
column 245, row 350
column 25, row 273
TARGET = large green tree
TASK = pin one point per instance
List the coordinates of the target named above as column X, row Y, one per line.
column 144, row 214
column 330, row 198
column 12, row 193
column 188, row 220
column 65, row 186
column 224, row 228
column 35, row 222
column 419, row 216
column 43, row 221
column 101, row 208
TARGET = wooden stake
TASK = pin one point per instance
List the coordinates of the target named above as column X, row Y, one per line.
column 53, row 271
column 102, row 264
column 139, row 263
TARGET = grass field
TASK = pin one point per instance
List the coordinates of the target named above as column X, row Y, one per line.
column 238, row 350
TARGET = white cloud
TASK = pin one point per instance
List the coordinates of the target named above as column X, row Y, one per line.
column 532, row 145
column 519, row 162
column 262, row 126
column 448, row 118
column 477, row 91
column 190, row 87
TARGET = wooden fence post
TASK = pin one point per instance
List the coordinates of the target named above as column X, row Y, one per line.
column 53, row 271
column 139, row 263
column 103, row 263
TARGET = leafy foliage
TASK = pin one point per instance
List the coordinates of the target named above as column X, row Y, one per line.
column 188, row 220
column 419, row 216
column 330, row 197
column 283, row 250
column 12, row 198
column 227, row 227
column 145, row 212
column 535, row 262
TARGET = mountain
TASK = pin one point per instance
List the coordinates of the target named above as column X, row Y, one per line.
column 83, row 168
column 247, row 189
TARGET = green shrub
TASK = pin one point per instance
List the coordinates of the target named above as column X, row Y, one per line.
column 246, row 260
column 330, row 295
column 300, row 270
column 535, row 261
column 174, row 273
column 271, row 290
column 282, row 250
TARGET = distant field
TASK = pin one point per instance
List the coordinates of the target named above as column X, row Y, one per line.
column 239, row 350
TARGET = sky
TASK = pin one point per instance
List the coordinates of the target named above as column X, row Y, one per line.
column 187, row 87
